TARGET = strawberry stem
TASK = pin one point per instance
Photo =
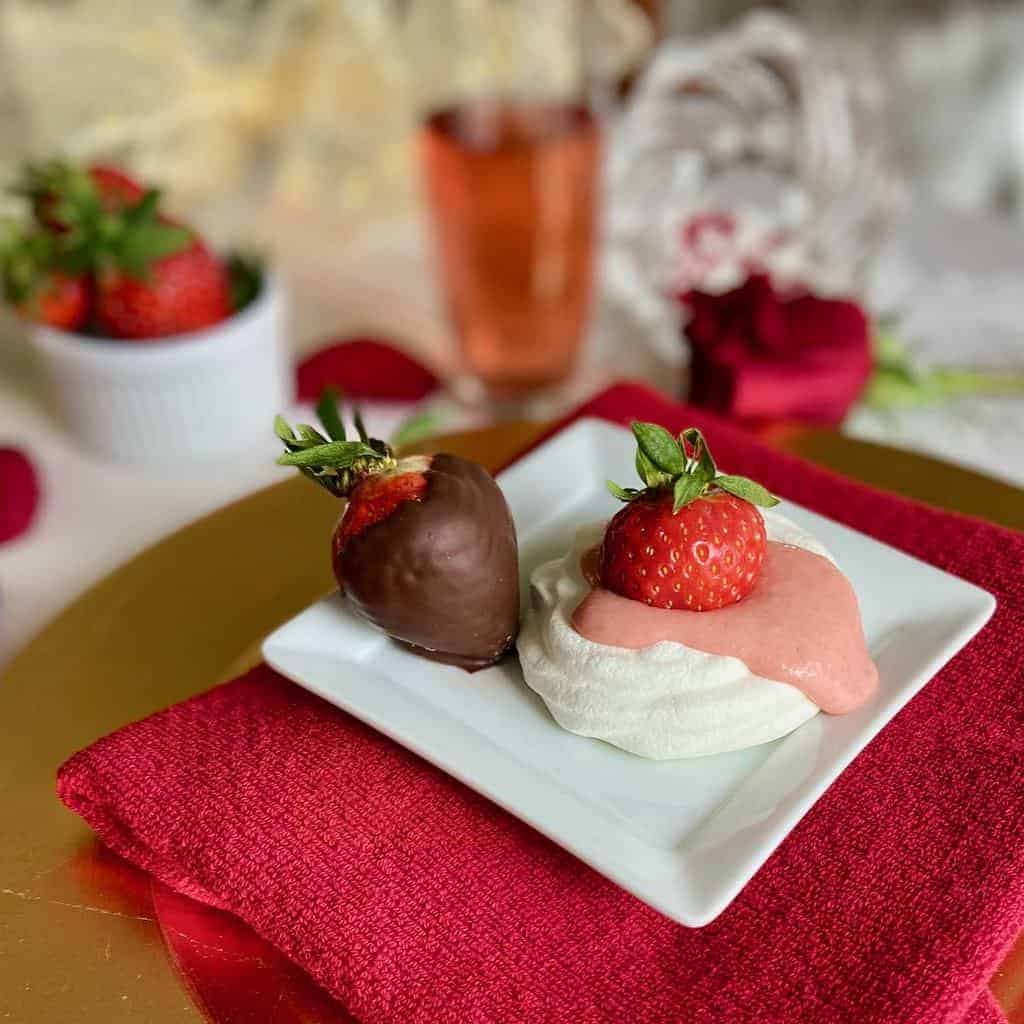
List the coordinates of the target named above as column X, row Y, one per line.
column 685, row 466
column 327, row 410
column 335, row 463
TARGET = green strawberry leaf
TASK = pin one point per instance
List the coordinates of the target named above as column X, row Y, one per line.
column 310, row 436
column 701, row 463
column 69, row 184
column 333, row 455
column 686, row 466
column 245, row 279
column 649, row 472
column 327, row 410
column 139, row 247
column 357, row 419
column 660, row 447
column 26, row 260
column 144, row 210
column 746, row 489
column 622, row 493
column 687, row 488
column 283, row 429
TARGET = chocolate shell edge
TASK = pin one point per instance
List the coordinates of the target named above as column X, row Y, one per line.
column 441, row 576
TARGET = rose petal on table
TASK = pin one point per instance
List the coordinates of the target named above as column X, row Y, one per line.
column 19, row 493
column 365, row 368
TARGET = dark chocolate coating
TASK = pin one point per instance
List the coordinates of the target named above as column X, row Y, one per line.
column 441, row 574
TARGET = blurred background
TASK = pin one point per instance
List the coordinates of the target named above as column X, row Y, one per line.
column 527, row 199
column 291, row 122
column 305, row 104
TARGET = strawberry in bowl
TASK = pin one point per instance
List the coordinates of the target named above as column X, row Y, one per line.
column 424, row 549
column 57, row 189
column 137, row 322
column 101, row 257
column 184, row 291
column 697, row 619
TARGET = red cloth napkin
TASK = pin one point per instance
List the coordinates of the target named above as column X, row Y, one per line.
column 415, row 901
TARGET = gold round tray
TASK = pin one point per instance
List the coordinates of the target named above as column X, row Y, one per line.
column 85, row 937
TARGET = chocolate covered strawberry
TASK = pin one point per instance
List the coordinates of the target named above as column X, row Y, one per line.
column 692, row 538
column 425, row 548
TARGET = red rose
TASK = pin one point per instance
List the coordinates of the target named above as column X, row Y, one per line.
column 758, row 355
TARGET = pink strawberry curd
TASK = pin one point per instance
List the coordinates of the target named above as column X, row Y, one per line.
column 800, row 625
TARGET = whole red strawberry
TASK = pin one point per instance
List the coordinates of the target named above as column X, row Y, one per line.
column 425, row 549
column 151, row 277
column 30, row 282
column 59, row 301
column 181, row 292
column 692, row 539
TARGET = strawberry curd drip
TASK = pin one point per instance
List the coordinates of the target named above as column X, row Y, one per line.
column 800, row 625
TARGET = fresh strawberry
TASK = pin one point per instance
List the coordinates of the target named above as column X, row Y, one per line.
column 63, row 193
column 59, row 301
column 425, row 549
column 691, row 539
column 175, row 294
column 150, row 277
column 705, row 556
column 32, row 285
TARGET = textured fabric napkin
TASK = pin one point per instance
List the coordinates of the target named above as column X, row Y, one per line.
column 415, row 901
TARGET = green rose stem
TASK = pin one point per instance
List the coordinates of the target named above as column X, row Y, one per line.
column 897, row 384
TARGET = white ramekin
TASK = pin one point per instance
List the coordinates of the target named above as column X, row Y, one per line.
column 187, row 398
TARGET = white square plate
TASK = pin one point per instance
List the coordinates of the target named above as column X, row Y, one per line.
column 684, row 836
